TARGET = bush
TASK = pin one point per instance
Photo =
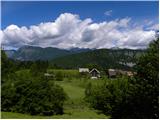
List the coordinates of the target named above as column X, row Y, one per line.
column 32, row 95
column 108, row 96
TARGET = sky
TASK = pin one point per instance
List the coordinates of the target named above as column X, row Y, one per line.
column 92, row 24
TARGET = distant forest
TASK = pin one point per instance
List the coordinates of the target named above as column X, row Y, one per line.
column 73, row 59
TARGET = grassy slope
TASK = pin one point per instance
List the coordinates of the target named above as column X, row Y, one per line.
column 74, row 107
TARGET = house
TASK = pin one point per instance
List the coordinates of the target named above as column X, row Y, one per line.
column 112, row 73
column 94, row 73
column 83, row 70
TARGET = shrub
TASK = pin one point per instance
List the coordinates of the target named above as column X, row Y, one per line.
column 32, row 95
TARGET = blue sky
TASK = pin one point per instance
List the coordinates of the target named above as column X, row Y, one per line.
column 31, row 13
column 79, row 24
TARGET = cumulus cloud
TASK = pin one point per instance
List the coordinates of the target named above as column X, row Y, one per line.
column 69, row 31
column 108, row 13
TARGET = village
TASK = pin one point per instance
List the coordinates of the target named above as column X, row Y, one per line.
column 111, row 73
column 97, row 74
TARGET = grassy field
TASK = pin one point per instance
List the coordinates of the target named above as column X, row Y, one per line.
column 74, row 107
column 79, row 114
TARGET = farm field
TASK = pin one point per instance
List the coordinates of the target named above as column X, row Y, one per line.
column 74, row 106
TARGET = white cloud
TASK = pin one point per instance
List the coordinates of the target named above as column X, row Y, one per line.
column 108, row 13
column 69, row 31
column 154, row 27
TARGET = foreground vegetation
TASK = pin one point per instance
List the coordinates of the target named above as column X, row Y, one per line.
column 69, row 94
column 75, row 106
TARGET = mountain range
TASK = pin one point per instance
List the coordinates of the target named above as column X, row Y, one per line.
column 32, row 53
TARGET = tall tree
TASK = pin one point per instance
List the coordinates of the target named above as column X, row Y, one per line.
column 39, row 67
column 143, row 97
column 7, row 66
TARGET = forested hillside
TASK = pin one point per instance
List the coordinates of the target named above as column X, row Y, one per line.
column 104, row 58
column 76, row 57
